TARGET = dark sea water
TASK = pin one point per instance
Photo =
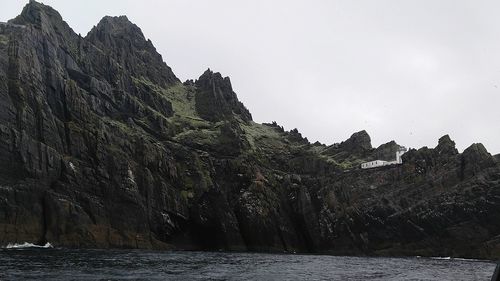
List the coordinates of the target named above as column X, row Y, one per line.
column 62, row 264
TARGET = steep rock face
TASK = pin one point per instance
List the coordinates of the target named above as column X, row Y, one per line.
column 102, row 146
column 215, row 99
column 358, row 142
column 426, row 206
column 123, row 54
column 63, row 134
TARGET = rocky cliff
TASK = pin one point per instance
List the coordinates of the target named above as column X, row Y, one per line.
column 102, row 146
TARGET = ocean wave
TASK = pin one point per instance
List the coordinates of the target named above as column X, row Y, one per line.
column 26, row 245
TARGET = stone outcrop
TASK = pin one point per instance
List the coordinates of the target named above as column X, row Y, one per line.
column 102, row 146
column 386, row 151
column 215, row 99
column 358, row 146
column 359, row 141
column 125, row 54
column 446, row 146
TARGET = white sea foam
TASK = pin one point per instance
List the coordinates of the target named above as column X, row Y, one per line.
column 441, row 258
column 454, row 259
column 27, row 245
column 464, row 259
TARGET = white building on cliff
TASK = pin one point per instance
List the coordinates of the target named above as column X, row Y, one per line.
column 379, row 163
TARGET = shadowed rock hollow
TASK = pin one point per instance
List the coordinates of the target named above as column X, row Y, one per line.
column 102, row 146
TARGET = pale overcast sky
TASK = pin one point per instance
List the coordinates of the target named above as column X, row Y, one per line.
column 409, row 71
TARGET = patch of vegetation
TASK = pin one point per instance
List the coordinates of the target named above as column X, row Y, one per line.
column 74, row 127
column 4, row 39
column 119, row 125
column 146, row 108
column 346, row 164
column 182, row 100
column 186, row 123
column 186, row 195
column 203, row 137
column 263, row 136
column 147, row 82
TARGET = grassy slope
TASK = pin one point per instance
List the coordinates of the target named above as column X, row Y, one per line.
column 263, row 139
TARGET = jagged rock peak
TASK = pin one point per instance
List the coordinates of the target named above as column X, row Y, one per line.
column 41, row 16
column 359, row 139
column 118, row 26
column 211, row 78
column 124, row 42
column 392, row 143
column 446, row 146
column 215, row 98
column 477, row 151
column 475, row 158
